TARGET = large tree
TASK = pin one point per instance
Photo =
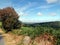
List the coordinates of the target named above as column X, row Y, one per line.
column 9, row 19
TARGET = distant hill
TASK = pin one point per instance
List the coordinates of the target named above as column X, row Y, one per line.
column 55, row 25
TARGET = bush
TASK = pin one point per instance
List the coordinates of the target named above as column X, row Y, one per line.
column 0, row 24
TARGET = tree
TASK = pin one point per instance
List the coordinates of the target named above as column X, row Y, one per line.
column 9, row 18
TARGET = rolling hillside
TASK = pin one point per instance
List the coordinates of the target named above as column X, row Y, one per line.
column 55, row 25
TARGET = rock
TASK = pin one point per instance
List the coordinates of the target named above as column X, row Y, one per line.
column 26, row 40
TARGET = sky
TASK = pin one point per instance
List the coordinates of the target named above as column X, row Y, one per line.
column 34, row 10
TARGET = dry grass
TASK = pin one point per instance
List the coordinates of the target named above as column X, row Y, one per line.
column 44, row 39
column 11, row 39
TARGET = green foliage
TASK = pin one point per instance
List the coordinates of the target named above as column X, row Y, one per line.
column 0, row 24
column 37, row 30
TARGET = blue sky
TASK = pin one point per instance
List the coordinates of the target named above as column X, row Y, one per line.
column 34, row 10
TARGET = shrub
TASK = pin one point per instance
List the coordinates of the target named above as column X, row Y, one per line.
column 0, row 24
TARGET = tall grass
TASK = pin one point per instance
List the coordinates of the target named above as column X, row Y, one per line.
column 0, row 24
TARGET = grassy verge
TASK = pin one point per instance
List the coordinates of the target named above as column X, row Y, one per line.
column 0, row 24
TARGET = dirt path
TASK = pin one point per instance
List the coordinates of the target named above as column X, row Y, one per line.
column 10, row 39
column 1, row 38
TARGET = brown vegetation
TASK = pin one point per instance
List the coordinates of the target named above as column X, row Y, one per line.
column 9, row 19
column 6, row 12
column 45, row 39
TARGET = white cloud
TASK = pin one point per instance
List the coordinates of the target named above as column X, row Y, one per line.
column 28, row 5
column 39, row 14
column 41, row 7
column 52, row 1
column 29, row 20
column 46, row 6
column 24, row 7
column 22, row 14
column 22, row 10
column 53, row 14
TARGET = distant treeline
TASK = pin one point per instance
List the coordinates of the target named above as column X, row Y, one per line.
column 55, row 25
